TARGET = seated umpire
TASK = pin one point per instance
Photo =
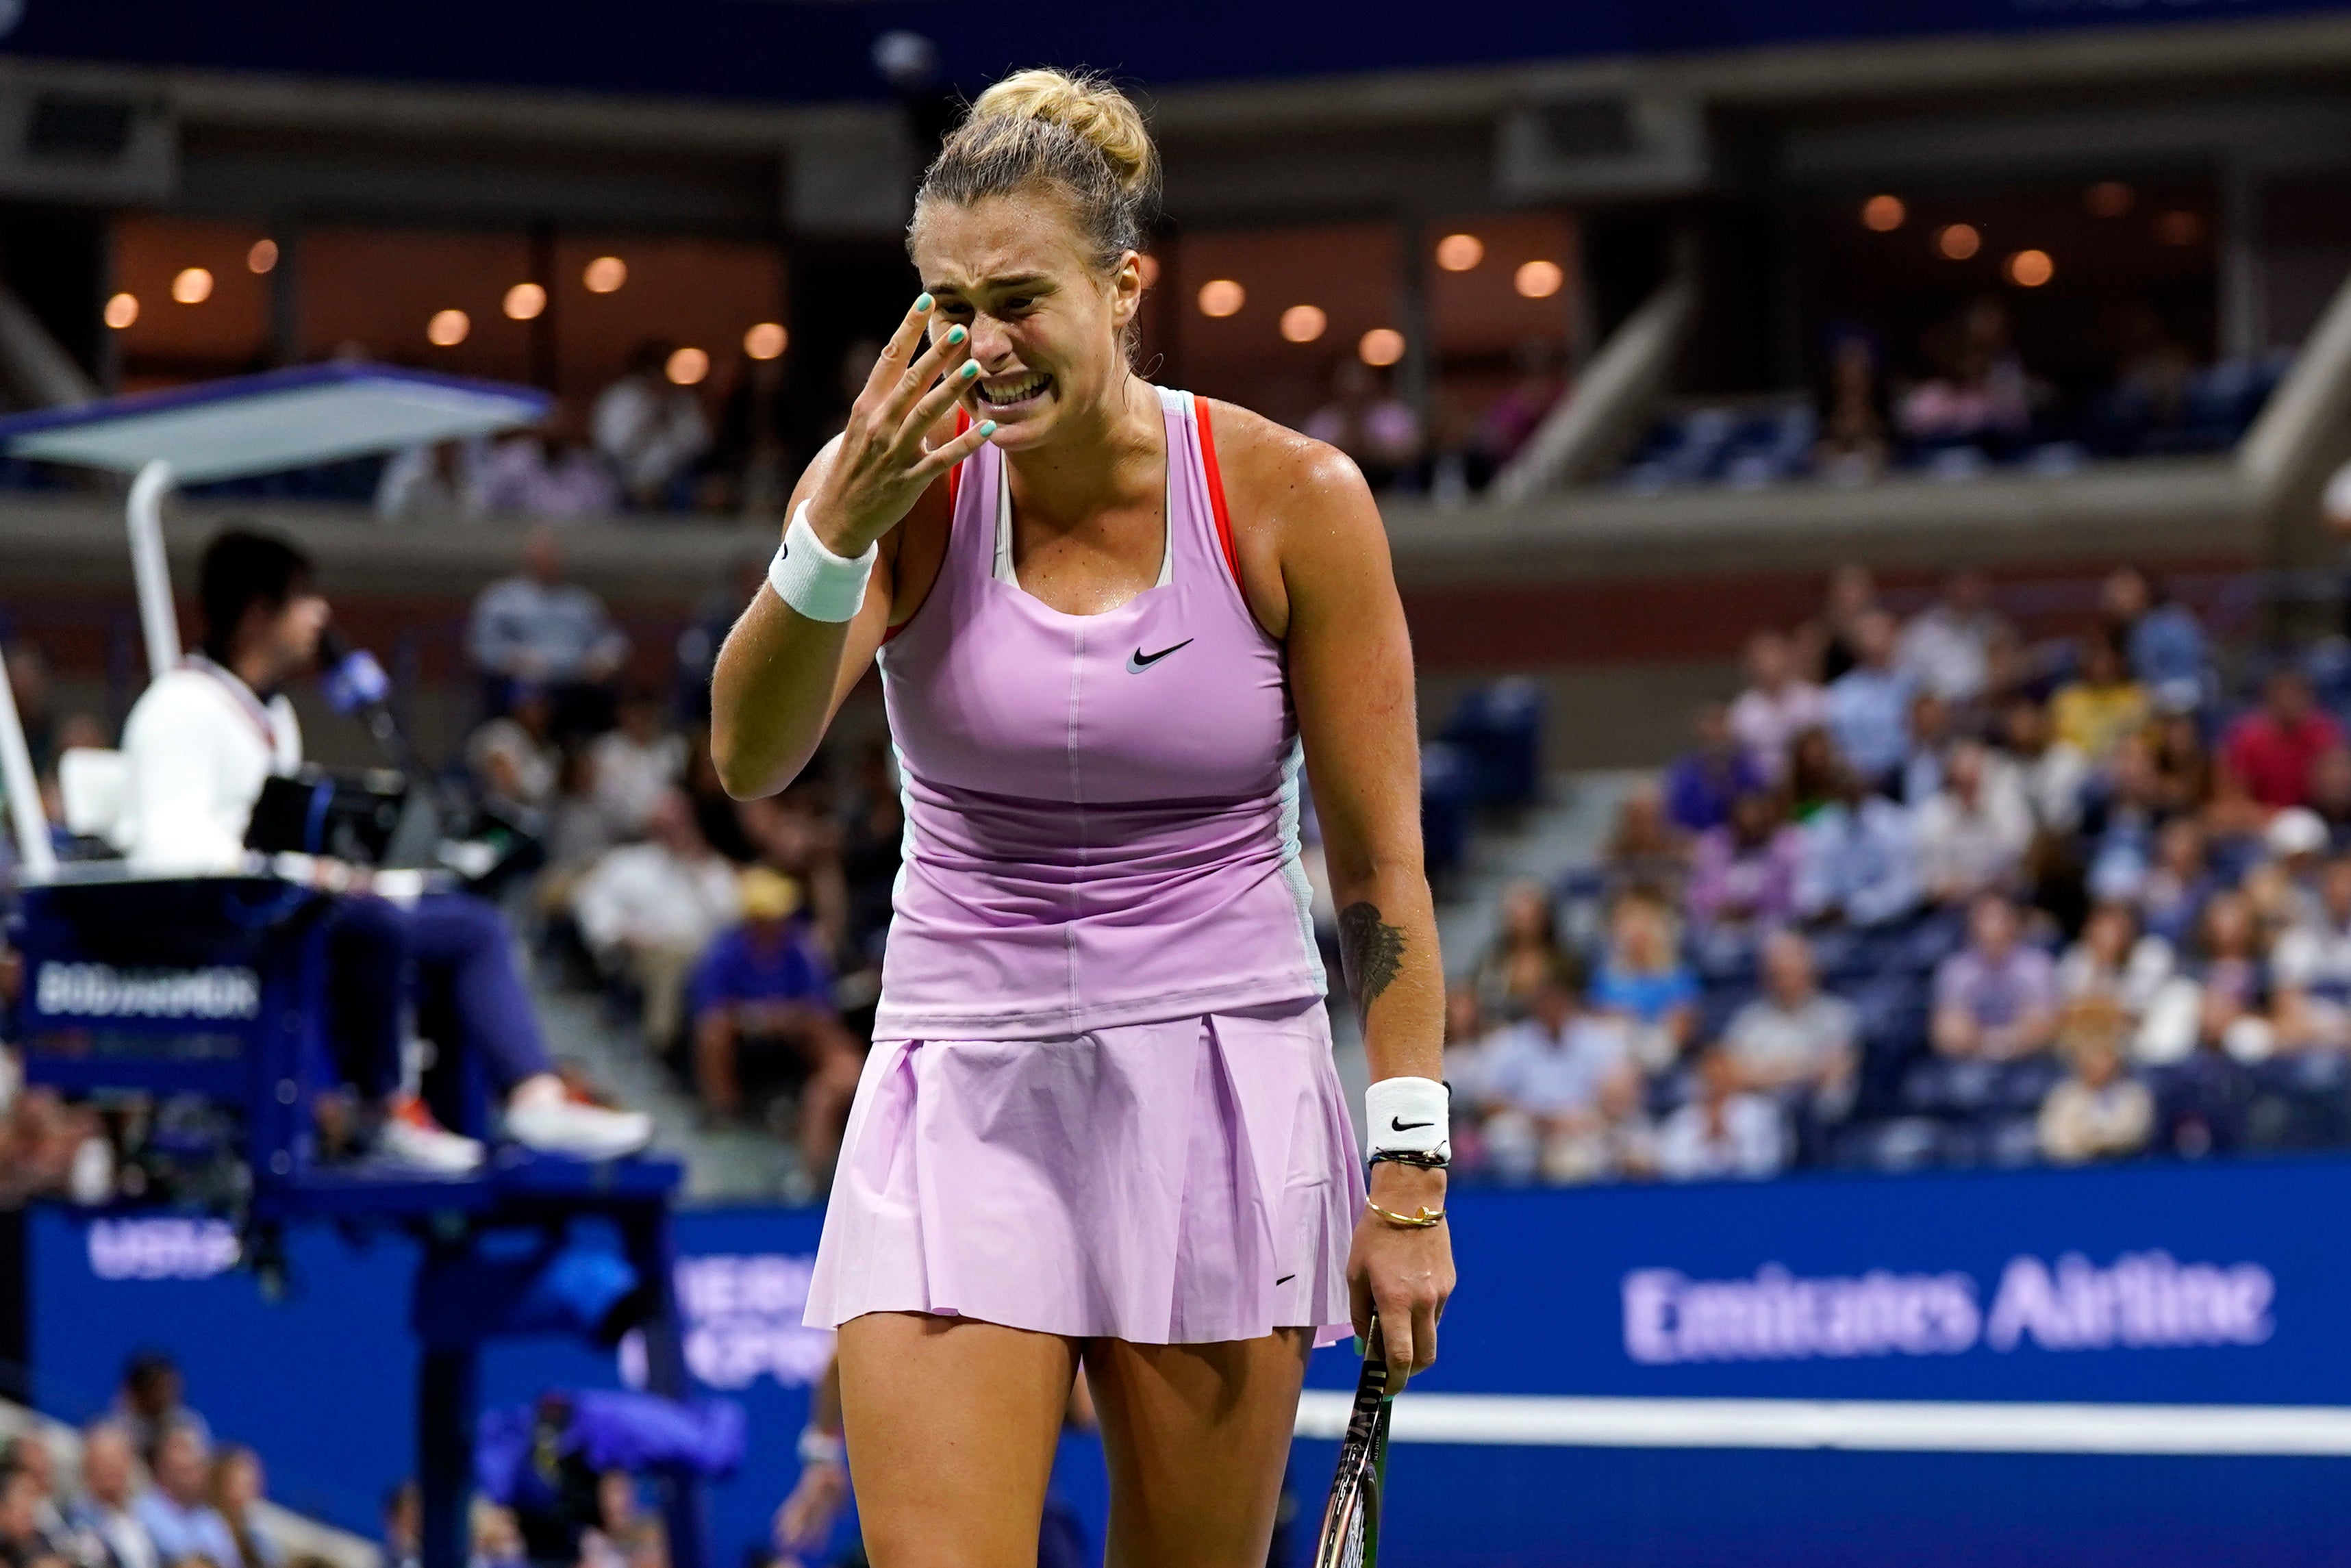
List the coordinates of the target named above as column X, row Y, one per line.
column 198, row 746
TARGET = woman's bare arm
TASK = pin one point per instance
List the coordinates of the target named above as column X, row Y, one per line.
column 780, row 676
column 1312, row 519
column 1351, row 676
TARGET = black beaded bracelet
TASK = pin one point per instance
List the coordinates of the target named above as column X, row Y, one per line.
column 1427, row 1160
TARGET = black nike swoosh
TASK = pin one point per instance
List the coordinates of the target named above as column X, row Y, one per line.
column 1139, row 661
column 1396, row 1126
column 1285, row 1278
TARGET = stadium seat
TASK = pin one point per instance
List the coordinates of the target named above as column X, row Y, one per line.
column 1498, row 729
column 1448, row 801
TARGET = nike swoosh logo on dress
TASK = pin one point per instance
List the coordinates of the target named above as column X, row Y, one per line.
column 1139, row 661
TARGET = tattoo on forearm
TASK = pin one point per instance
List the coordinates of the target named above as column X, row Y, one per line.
column 1370, row 951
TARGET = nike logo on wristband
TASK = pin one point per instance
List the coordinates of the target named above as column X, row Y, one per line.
column 1396, row 1126
column 1139, row 661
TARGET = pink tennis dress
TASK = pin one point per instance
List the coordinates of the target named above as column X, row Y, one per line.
column 1100, row 1100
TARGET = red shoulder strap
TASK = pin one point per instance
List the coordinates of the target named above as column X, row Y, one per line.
column 1216, row 489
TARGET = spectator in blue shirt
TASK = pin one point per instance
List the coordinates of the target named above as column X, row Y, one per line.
column 1560, row 1089
column 539, row 630
column 2161, row 637
column 1869, row 705
column 764, row 991
column 1860, row 860
column 1700, row 787
column 1643, row 981
column 179, row 1520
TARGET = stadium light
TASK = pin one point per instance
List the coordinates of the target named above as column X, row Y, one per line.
column 121, row 310
column 1957, row 241
column 447, row 328
column 193, row 286
column 605, row 274
column 1539, row 279
column 2179, row 227
column 2029, row 268
column 2109, row 199
column 686, row 366
column 1460, row 253
column 1381, row 346
column 262, row 257
column 1221, row 297
column 765, row 340
column 1884, row 214
column 1303, row 323
column 524, row 301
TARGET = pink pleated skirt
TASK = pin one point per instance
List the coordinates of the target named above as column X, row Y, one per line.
column 1176, row 1183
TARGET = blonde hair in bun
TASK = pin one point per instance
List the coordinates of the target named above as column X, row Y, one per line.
column 1072, row 131
column 1091, row 108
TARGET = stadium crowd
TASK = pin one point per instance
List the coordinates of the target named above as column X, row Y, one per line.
column 744, row 937
column 148, row 1486
column 1921, row 893
column 1924, row 893
column 152, row 1491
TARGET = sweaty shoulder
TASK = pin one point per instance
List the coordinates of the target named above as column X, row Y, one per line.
column 1293, row 500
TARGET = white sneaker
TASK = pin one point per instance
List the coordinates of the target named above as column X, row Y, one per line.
column 410, row 1137
column 567, row 1127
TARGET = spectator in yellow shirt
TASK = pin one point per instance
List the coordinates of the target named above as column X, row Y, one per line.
column 2102, row 704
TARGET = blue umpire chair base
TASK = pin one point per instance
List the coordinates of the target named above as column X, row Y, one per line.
column 216, row 989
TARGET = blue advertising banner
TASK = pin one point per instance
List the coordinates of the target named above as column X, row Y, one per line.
column 2167, row 1284
column 2142, row 1364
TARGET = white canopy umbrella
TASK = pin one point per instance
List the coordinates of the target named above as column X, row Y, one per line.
column 228, row 430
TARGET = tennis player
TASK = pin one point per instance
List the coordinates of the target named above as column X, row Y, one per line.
column 1099, row 1123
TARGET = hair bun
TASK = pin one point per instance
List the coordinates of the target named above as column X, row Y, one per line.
column 1089, row 107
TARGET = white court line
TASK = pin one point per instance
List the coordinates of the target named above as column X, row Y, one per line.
column 1883, row 1426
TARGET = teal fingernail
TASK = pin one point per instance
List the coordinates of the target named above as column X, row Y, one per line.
column 956, row 334
column 970, row 369
column 922, row 303
column 988, row 427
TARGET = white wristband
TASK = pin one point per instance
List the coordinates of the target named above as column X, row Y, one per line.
column 821, row 1447
column 813, row 580
column 1408, row 1115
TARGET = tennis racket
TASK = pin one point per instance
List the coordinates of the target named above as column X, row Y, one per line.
column 1351, row 1521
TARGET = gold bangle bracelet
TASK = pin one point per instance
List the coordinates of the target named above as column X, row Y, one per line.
column 1427, row 1218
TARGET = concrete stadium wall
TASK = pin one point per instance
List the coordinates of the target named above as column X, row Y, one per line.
column 1630, row 609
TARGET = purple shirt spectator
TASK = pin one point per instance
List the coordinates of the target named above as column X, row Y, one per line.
column 1700, row 788
column 1995, row 998
column 1997, row 991
column 1733, row 881
column 742, row 966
